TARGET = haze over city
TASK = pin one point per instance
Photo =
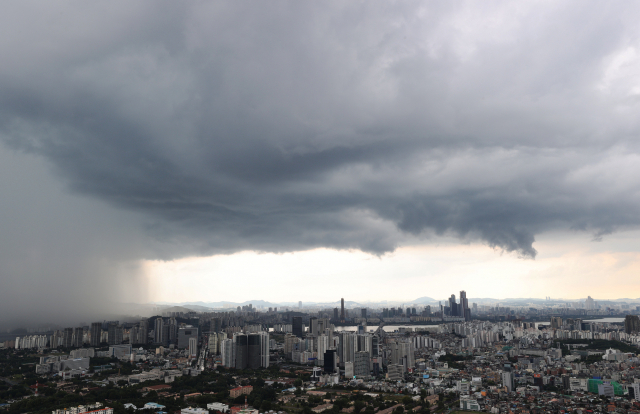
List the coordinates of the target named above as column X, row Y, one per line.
column 290, row 151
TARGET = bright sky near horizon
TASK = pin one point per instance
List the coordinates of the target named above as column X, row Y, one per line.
column 566, row 267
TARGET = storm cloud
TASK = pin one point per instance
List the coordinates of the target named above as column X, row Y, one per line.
column 284, row 126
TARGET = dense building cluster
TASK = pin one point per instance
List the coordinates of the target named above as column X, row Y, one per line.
column 452, row 353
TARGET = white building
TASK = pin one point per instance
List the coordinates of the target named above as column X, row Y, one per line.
column 193, row 347
column 218, row 407
column 196, row 410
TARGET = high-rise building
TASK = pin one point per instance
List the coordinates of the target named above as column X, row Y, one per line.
column 363, row 313
column 348, row 345
column 258, row 350
column 173, row 331
column 336, row 314
column 143, row 332
column 193, row 347
column 342, row 315
column 115, row 334
column 589, row 303
column 361, row 364
column 300, row 304
column 507, row 377
column 556, row 322
column 453, row 306
column 184, row 334
column 296, row 326
column 216, row 325
column 313, row 326
column 323, row 345
column 67, row 339
column 330, row 361
column 78, row 334
column 631, row 324
column 96, row 331
column 227, row 353
column 241, row 342
column 158, row 334
column 465, row 312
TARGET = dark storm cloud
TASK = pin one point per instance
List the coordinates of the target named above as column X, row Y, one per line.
column 284, row 126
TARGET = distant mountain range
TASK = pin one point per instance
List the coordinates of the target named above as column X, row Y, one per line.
column 424, row 300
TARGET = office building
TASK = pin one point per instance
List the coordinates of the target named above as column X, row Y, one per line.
column 313, row 326
column 453, row 306
column 241, row 344
column 464, row 311
column 336, row 314
column 296, row 326
column 184, row 334
column 342, row 315
column 258, row 350
column 330, row 361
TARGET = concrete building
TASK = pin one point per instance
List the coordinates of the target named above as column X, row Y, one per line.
column 96, row 331
column 193, row 347
column 227, row 353
column 361, row 364
column 184, row 334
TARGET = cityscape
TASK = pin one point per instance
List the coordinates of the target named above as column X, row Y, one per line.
column 298, row 207
column 456, row 354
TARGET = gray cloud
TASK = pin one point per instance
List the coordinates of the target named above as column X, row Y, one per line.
column 287, row 126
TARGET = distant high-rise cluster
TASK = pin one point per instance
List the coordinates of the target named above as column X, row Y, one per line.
column 458, row 310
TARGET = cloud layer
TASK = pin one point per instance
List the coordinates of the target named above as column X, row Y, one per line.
column 285, row 126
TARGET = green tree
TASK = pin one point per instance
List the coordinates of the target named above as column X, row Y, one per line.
column 358, row 406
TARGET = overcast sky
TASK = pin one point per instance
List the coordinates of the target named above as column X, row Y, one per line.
column 138, row 138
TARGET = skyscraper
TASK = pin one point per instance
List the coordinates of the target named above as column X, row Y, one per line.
column 336, row 314
column 330, row 361
column 453, row 306
column 115, row 333
column 67, row 338
column 173, row 331
column 313, row 326
column 158, row 327
column 342, row 318
column 77, row 337
column 258, row 350
column 96, row 332
column 465, row 312
column 143, row 332
column 296, row 326
column 242, row 350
